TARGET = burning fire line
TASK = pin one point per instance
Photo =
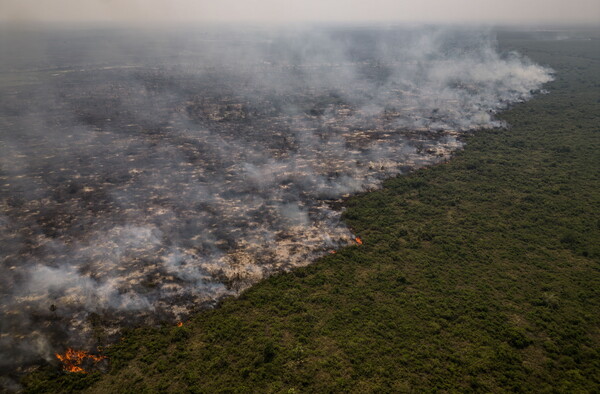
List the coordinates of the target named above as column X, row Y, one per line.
column 358, row 241
column 73, row 359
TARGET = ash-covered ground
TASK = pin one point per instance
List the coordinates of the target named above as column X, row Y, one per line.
column 145, row 175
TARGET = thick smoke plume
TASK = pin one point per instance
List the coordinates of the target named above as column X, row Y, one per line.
column 145, row 175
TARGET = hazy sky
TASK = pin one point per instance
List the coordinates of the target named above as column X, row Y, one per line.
column 128, row 11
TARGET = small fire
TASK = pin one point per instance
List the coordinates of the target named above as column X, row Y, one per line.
column 358, row 241
column 332, row 252
column 72, row 360
column 180, row 324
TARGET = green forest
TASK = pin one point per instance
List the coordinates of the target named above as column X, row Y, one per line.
column 479, row 274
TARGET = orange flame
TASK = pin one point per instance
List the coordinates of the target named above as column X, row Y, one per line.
column 358, row 241
column 72, row 360
column 180, row 324
column 332, row 252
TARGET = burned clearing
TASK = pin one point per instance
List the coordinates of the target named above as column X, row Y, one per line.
column 142, row 183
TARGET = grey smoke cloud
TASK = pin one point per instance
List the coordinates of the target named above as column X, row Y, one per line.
column 147, row 178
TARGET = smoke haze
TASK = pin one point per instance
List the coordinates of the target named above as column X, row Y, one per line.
column 285, row 11
column 146, row 175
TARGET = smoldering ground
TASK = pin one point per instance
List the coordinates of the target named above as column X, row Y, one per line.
column 145, row 175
